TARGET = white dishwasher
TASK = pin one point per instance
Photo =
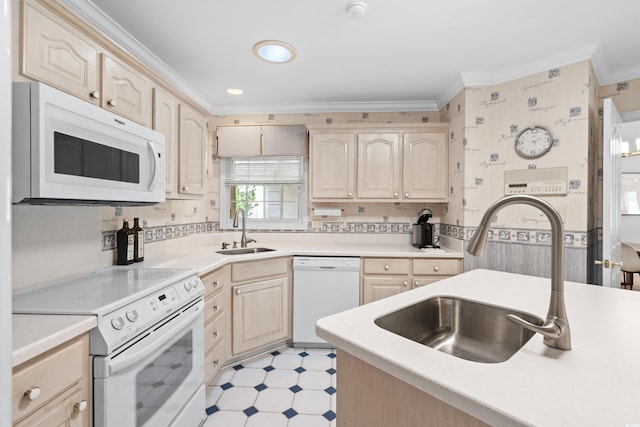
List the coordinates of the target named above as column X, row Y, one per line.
column 322, row 286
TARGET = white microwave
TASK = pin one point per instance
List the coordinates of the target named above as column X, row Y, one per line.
column 68, row 151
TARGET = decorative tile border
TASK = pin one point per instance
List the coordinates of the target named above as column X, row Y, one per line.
column 163, row 232
column 577, row 239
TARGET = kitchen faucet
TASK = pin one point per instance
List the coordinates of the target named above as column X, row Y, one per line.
column 556, row 326
column 243, row 239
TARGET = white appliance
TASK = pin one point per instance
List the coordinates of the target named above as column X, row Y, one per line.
column 148, row 347
column 322, row 286
column 68, row 151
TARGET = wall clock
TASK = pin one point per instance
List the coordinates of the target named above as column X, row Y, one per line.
column 533, row 142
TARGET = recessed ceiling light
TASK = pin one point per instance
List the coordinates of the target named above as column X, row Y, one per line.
column 235, row 91
column 274, row 51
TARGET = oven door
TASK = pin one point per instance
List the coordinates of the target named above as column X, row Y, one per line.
column 150, row 381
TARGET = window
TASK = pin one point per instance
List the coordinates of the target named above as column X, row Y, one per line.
column 271, row 190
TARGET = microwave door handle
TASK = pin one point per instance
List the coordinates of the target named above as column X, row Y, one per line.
column 156, row 159
column 126, row 360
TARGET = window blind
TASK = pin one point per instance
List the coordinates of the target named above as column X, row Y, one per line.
column 272, row 170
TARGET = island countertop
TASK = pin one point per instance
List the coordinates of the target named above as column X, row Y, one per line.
column 596, row 383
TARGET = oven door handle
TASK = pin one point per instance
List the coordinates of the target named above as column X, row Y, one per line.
column 184, row 322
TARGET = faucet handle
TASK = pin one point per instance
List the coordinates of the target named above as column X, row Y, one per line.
column 235, row 244
column 225, row 245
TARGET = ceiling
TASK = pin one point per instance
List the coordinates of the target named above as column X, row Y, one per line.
column 402, row 55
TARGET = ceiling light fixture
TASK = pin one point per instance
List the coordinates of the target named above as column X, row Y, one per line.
column 274, row 51
column 235, row 91
column 356, row 9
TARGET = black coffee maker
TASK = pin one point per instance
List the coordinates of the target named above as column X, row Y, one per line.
column 423, row 231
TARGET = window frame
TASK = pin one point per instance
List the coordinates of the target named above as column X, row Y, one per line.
column 264, row 224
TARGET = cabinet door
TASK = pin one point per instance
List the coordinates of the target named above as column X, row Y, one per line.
column 192, row 147
column 125, row 91
column 71, row 409
column 333, row 166
column 378, row 166
column 375, row 288
column 165, row 121
column 54, row 55
column 425, row 166
column 260, row 314
column 284, row 141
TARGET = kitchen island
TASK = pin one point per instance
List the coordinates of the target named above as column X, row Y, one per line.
column 596, row 383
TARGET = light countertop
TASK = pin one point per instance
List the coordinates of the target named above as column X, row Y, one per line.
column 596, row 383
column 36, row 334
column 205, row 259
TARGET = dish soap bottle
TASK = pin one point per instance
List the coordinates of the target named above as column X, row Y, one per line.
column 138, row 243
column 125, row 244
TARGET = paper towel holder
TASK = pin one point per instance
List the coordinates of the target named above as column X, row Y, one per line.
column 327, row 211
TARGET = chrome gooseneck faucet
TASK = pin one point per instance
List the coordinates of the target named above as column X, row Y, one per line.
column 243, row 239
column 556, row 326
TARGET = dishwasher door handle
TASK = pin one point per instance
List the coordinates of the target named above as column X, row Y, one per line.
column 326, row 267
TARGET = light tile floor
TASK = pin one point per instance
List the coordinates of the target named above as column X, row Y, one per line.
column 289, row 387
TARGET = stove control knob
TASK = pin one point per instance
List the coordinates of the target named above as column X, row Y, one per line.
column 188, row 285
column 117, row 323
column 132, row 315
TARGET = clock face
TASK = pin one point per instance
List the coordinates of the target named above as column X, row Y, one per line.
column 533, row 142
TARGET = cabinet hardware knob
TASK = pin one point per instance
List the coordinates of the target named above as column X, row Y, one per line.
column 237, row 291
column 406, row 195
column 80, row 406
column 94, row 94
column 436, row 268
column 216, row 361
column 112, row 103
column 216, row 333
column 417, row 283
column 33, row 393
column 350, row 194
column 216, row 307
column 185, row 188
column 395, row 194
column 386, row 267
column 216, row 283
column 405, row 283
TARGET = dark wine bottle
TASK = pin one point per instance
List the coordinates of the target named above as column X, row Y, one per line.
column 138, row 243
column 125, row 244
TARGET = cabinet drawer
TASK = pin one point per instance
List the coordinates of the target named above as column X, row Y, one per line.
column 386, row 266
column 426, row 280
column 213, row 305
column 214, row 332
column 51, row 373
column 213, row 362
column 214, row 281
column 62, row 411
column 437, row 267
column 251, row 270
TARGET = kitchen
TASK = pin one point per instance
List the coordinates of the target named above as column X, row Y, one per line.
column 50, row 248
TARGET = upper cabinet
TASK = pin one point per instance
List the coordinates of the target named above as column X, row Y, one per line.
column 332, row 171
column 125, row 91
column 193, row 139
column 379, row 163
column 251, row 141
column 165, row 121
column 54, row 54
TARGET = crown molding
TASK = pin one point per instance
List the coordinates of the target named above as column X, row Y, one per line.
column 327, row 107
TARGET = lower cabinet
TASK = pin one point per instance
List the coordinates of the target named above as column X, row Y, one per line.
column 54, row 389
column 383, row 277
column 215, row 321
column 260, row 303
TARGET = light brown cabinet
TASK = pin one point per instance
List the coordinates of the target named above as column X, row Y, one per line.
column 261, row 303
column 55, row 387
column 383, row 277
column 379, row 163
column 54, row 54
column 192, row 147
column 216, row 315
column 249, row 141
column 165, row 121
column 332, row 172
column 125, row 91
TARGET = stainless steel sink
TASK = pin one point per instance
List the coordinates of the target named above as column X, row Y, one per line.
column 463, row 328
column 244, row 251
